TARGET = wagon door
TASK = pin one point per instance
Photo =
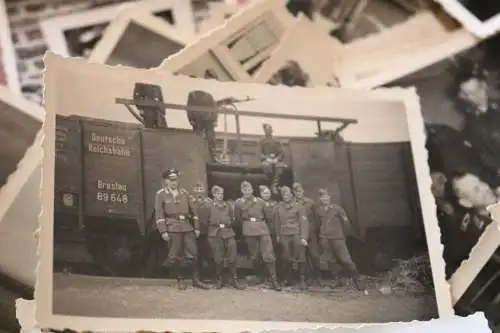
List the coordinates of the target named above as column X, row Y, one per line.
column 314, row 166
column 163, row 149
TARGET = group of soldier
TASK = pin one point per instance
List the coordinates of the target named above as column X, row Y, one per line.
column 279, row 235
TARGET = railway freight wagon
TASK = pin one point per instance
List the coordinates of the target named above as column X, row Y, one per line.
column 107, row 174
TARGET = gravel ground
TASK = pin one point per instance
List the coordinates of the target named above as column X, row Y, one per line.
column 148, row 298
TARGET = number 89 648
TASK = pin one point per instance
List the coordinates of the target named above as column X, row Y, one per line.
column 112, row 197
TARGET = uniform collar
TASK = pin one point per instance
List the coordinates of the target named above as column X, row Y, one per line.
column 220, row 203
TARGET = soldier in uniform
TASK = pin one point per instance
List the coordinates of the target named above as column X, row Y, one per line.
column 202, row 205
column 270, row 214
column 313, row 248
column 249, row 211
column 179, row 227
column 331, row 225
column 203, row 123
column 222, row 238
column 271, row 155
column 292, row 231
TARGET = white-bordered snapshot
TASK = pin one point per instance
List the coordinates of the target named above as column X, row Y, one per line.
column 8, row 65
column 138, row 39
column 307, row 56
column 480, row 17
column 235, row 50
column 366, row 149
column 409, row 46
column 459, row 98
column 474, row 286
column 77, row 34
column 21, row 155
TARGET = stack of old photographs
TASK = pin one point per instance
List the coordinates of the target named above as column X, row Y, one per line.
column 211, row 165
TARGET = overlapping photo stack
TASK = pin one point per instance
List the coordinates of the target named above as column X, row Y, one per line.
column 265, row 161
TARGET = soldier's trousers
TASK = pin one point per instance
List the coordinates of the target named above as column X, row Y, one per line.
column 204, row 248
column 292, row 249
column 224, row 250
column 337, row 254
column 313, row 248
column 274, row 171
column 261, row 247
column 182, row 249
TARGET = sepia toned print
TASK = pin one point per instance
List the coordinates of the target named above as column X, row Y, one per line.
column 234, row 51
column 77, row 34
column 154, row 189
column 481, row 17
column 306, row 56
column 459, row 104
column 138, row 39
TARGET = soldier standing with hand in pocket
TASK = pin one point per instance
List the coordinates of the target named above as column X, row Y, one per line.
column 332, row 219
column 221, row 238
column 179, row 227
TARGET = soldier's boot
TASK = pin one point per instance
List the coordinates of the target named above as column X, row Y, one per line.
column 302, row 273
column 181, row 285
column 233, row 277
column 288, row 275
column 317, row 275
column 196, row 278
column 219, row 282
column 272, row 273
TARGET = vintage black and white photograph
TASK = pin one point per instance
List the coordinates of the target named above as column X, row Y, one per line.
column 459, row 98
column 305, row 56
column 191, row 200
column 236, row 50
column 77, row 34
column 138, row 39
column 351, row 20
column 481, row 17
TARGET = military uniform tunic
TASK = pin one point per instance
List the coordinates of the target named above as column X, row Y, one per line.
column 175, row 215
column 332, row 238
column 250, row 213
column 313, row 246
column 221, row 234
column 202, row 206
column 291, row 227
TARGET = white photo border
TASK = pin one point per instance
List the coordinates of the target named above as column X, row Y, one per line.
column 53, row 28
column 470, row 21
column 236, row 22
column 119, row 25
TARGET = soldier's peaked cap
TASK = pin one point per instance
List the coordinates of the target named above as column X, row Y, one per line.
column 198, row 187
column 322, row 192
column 246, row 184
column 171, row 173
column 217, row 189
column 297, row 186
column 285, row 190
column 263, row 188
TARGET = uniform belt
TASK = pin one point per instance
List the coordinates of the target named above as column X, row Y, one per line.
column 178, row 217
column 253, row 220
